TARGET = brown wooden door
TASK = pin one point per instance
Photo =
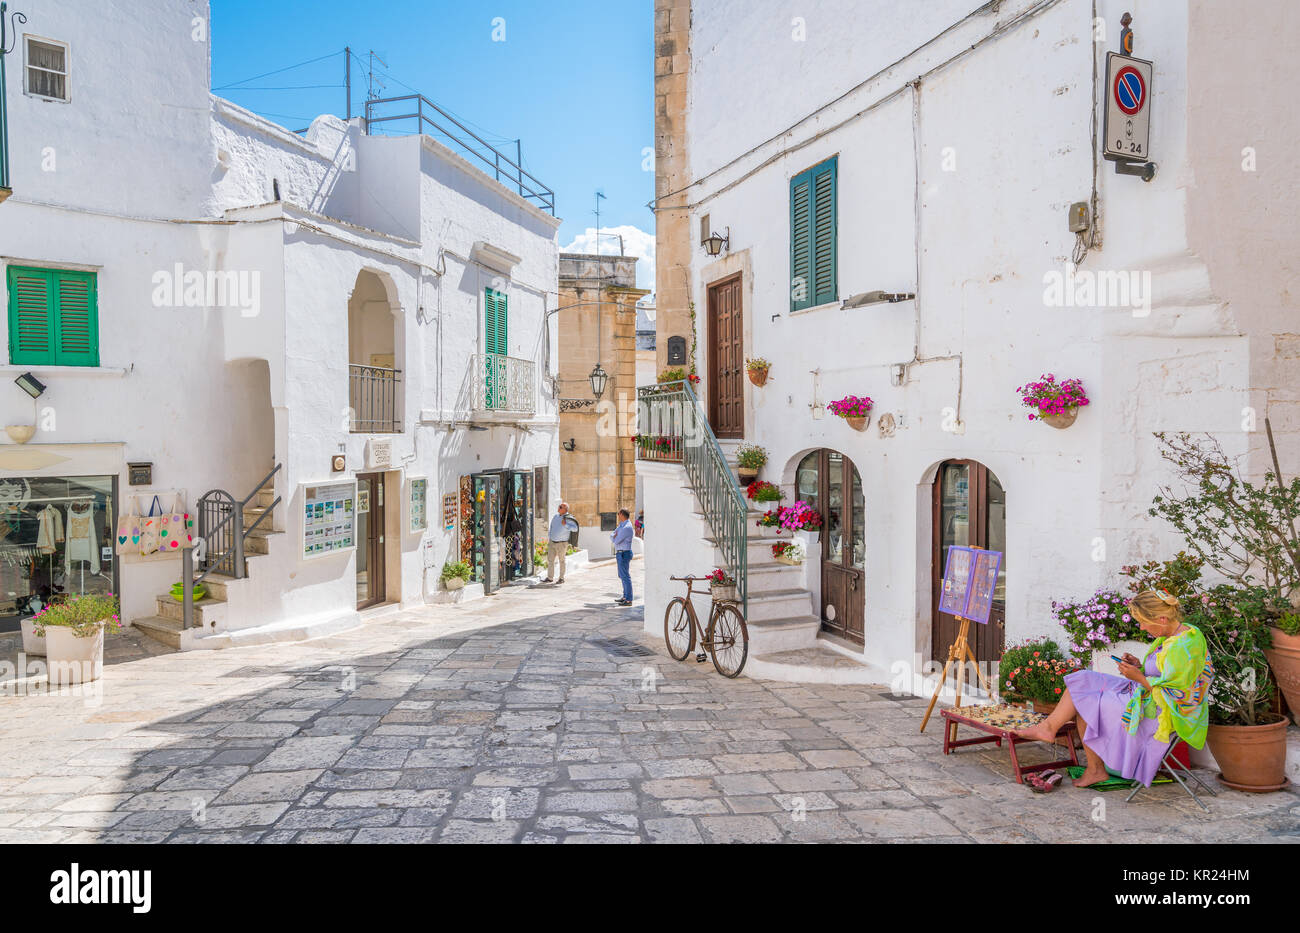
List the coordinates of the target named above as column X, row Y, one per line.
column 726, row 386
column 370, row 539
column 829, row 482
column 969, row 509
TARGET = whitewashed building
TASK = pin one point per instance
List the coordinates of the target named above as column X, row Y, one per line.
column 930, row 154
column 347, row 332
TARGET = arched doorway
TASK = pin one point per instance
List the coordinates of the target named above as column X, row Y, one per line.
column 969, row 509
column 829, row 482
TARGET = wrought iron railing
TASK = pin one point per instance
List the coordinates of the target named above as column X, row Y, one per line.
column 432, row 121
column 670, row 410
column 372, row 393
column 504, row 383
column 220, row 541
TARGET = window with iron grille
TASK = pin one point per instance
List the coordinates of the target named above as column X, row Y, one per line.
column 53, row 317
column 47, row 69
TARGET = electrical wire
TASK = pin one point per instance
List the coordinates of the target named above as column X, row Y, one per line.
column 276, row 72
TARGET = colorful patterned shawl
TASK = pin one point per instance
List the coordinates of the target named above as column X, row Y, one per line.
column 1177, row 696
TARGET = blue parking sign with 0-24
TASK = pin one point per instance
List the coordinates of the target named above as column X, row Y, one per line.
column 1128, row 108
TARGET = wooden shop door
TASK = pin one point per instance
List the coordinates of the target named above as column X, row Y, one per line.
column 726, row 350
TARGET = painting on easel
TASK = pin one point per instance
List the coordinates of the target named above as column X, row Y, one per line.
column 969, row 580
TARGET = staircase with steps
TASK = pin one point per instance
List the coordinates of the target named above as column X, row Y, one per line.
column 167, row 625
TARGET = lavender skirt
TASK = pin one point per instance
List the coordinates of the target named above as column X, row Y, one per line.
column 1101, row 700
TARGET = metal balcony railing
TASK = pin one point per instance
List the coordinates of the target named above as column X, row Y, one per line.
column 432, row 121
column 675, row 429
column 372, row 394
column 504, row 383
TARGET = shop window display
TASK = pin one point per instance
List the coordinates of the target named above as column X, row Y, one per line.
column 56, row 536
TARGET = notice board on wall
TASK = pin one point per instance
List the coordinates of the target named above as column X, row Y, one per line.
column 329, row 518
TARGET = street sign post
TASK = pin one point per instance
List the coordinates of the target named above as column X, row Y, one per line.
column 1128, row 109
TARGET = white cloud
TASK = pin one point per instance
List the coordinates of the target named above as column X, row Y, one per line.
column 636, row 243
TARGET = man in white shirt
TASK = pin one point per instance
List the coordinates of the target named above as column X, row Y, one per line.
column 562, row 525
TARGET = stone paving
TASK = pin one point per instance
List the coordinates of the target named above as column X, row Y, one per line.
column 540, row 715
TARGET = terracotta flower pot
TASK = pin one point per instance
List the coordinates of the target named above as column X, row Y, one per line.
column 859, row 424
column 1063, row 420
column 73, row 660
column 1284, row 659
column 1045, row 708
column 1251, row 758
column 757, row 376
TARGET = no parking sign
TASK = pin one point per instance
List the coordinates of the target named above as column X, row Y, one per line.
column 1128, row 108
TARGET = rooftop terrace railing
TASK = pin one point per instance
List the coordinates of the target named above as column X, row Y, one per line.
column 433, row 121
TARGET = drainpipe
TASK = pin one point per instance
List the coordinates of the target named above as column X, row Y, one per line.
column 5, row 187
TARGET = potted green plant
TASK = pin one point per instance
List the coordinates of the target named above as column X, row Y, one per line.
column 73, row 628
column 763, row 491
column 1055, row 403
column 1247, row 739
column 1244, row 531
column 749, row 460
column 455, row 574
column 757, row 369
column 856, row 410
column 1034, row 671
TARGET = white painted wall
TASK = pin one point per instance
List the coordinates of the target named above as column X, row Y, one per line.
column 152, row 171
column 1015, row 115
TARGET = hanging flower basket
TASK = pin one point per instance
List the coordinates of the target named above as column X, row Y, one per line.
column 757, row 370
column 856, row 410
column 1055, row 403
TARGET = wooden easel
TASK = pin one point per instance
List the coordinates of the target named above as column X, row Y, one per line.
column 959, row 652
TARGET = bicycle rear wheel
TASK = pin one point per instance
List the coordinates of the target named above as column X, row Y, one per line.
column 679, row 633
column 728, row 640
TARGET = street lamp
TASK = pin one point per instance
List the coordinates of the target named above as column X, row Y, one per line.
column 598, row 379
column 715, row 242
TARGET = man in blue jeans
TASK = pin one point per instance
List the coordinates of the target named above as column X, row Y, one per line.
column 622, row 538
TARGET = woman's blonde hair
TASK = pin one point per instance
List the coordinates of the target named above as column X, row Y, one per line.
column 1152, row 604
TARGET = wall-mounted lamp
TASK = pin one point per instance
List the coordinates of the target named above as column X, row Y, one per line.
column 31, row 385
column 598, row 379
column 570, row 445
column 715, row 242
column 872, row 298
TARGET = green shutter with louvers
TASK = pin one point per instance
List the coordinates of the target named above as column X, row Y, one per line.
column 496, row 330
column 31, row 316
column 813, row 237
column 76, row 328
column 53, row 317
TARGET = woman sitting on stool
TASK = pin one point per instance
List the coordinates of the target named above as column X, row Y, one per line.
column 1127, row 721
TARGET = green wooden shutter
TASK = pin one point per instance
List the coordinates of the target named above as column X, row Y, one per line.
column 824, row 234
column 496, row 329
column 53, row 317
column 800, row 242
column 76, row 325
column 31, row 316
column 813, row 238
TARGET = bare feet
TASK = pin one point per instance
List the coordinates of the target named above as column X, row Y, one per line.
column 1091, row 777
column 1041, row 732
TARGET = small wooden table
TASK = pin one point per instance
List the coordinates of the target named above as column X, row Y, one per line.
column 955, row 716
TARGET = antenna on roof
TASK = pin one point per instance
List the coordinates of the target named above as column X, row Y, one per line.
column 371, row 94
column 600, row 195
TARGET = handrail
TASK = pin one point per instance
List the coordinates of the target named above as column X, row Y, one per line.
column 663, row 410
column 189, row 581
column 535, row 190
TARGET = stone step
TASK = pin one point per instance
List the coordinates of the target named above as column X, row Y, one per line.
column 253, row 513
column 257, row 543
column 771, row 576
column 206, row 611
column 779, row 604
column 811, row 664
column 217, row 584
column 167, row 631
column 768, row 636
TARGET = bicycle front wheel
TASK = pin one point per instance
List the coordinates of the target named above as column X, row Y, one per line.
column 728, row 640
column 679, row 633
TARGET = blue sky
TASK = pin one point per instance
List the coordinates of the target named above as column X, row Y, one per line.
column 573, row 80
